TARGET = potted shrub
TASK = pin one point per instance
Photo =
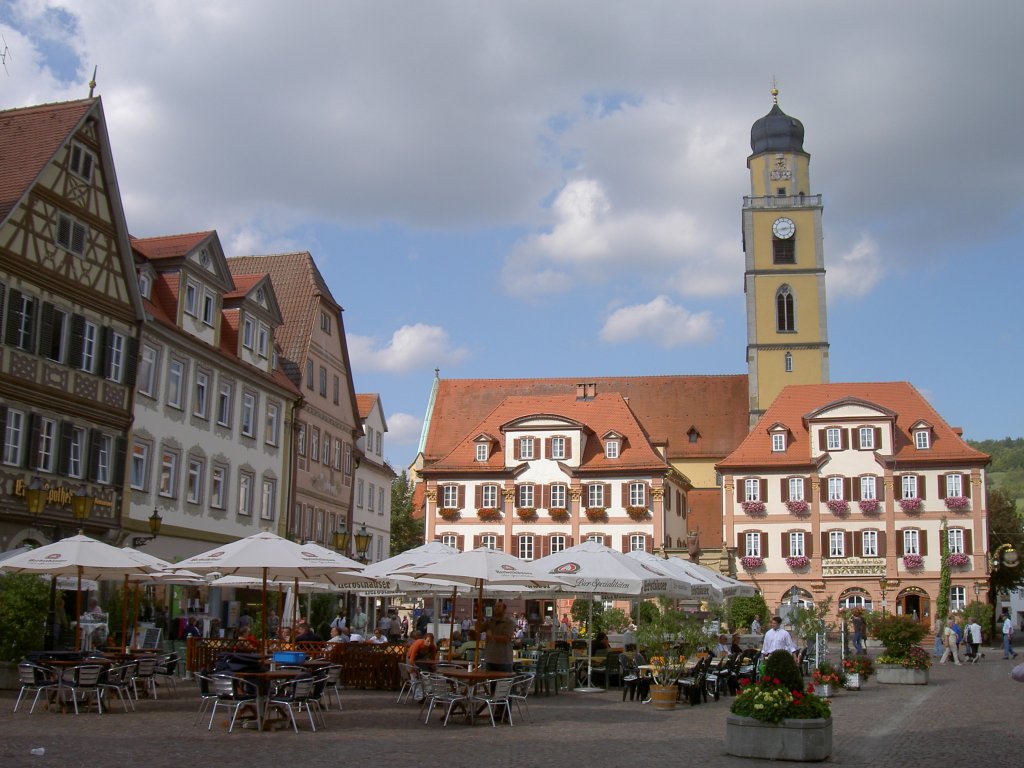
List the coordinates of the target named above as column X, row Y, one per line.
column 858, row 669
column 827, row 678
column 596, row 514
column 776, row 719
column 904, row 661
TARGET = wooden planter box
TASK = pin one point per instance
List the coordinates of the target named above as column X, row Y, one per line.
column 798, row 740
column 894, row 674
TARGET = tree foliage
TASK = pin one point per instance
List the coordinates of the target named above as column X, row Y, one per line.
column 406, row 531
column 945, row 579
column 24, row 600
column 1005, row 527
column 897, row 633
column 742, row 611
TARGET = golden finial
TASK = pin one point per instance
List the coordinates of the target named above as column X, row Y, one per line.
column 775, row 92
column 92, row 83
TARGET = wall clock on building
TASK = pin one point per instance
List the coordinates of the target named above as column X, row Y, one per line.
column 783, row 228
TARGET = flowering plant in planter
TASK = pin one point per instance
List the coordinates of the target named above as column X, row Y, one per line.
column 915, row 658
column 799, row 561
column 912, row 562
column 859, row 665
column 798, row 507
column 958, row 503
column 488, row 513
column 559, row 513
column 771, row 702
column 900, row 634
column 910, row 504
column 526, row 513
column 754, row 507
column 597, row 514
column 838, row 506
column 447, row 513
column 751, row 562
column 826, row 674
column 637, row 513
column 957, row 560
column 869, row 506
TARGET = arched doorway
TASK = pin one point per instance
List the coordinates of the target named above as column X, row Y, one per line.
column 855, row 597
column 914, row 601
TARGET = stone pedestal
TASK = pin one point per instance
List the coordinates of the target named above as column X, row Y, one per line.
column 894, row 674
column 798, row 740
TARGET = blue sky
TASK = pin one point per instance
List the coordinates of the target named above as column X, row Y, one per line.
column 502, row 189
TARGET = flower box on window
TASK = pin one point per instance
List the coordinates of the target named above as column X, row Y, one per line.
column 838, row 506
column 913, row 562
column 798, row 507
column 869, row 506
column 957, row 560
column 527, row 513
column 910, row 504
column 559, row 513
column 755, row 508
column 488, row 513
column 448, row 513
column 958, row 503
column 637, row 513
column 751, row 562
column 798, row 561
column 597, row 514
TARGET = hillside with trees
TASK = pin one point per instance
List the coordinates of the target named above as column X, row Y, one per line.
column 1006, row 472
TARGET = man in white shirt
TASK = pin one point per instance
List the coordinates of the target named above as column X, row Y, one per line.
column 777, row 639
column 1008, row 651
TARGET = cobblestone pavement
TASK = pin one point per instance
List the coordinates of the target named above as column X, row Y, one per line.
column 973, row 713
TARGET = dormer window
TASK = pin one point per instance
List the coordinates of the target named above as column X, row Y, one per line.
column 481, row 451
column 778, row 442
column 693, row 436
column 191, row 298
column 611, row 449
column 526, row 452
column 248, row 333
column 145, row 285
column 922, row 439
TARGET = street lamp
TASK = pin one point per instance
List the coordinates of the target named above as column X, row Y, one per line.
column 35, row 497
column 883, row 586
column 82, row 503
column 362, row 543
column 154, row 528
column 341, row 537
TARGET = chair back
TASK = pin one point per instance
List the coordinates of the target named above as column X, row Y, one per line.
column 119, row 675
column 146, row 666
column 502, row 689
column 87, row 675
column 168, row 665
column 222, row 686
column 33, row 674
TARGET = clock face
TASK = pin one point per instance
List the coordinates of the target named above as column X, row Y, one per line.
column 783, row 228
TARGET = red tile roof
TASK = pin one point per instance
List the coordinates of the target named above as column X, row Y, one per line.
column 365, row 403
column 667, row 407
column 599, row 415
column 29, row 138
column 169, row 246
column 795, row 403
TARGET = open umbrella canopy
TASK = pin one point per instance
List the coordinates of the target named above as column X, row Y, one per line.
column 384, row 572
column 718, row 586
column 79, row 556
column 266, row 555
column 482, row 567
column 591, row 567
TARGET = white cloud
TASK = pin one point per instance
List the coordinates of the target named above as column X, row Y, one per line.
column 659, row 321
column 855, row 272
column 410, row 347
column 403, row 429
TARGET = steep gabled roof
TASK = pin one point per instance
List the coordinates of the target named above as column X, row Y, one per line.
column 666, row 407
column 170, row 246
column 29, row 139
column 599, row 415
column 796, row 404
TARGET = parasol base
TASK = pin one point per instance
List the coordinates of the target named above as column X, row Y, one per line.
column 589, row 689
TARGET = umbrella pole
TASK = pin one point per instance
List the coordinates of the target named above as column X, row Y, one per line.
column 78, row 612
column 263, row 629
column 451, row 626
column 479, row 621
column 124, row 616
column 589, row 687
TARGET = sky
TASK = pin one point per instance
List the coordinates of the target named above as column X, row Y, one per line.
column 539, row 189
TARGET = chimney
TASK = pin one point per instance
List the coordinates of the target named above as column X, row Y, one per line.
column 581, row 393
column 591, row 390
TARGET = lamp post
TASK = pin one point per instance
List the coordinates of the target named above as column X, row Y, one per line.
column 883, row 586
column 362, row 543
column 154, row 528
column 82, row 503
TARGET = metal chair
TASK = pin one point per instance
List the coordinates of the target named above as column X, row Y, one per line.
column 440, row 690
column 521, row 687
column 167, row 669
column 145, row 672
column 232, row 692
column 119, row 680
column 333, row 685
column 412, row 683
column 34, row 677
column 206, row 694
column 499, row 698
column 83, row 681
column 294, row 695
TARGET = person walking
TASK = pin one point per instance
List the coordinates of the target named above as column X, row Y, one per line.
column 859, row 630
column 777, row 639
column 1008, row 652
column 949, row 644
column 972, row 634
column 755, row 626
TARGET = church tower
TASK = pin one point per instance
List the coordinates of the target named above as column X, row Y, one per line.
column 784, row 281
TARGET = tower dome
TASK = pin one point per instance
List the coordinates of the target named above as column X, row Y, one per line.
column 777, row 132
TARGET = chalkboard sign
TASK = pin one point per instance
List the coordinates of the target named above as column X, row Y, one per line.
column 151, row 639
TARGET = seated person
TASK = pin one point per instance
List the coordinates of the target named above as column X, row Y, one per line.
column 338, row 636
column 306, row 633
column 422, row 651
column 355, row 637
column 601, row 645
column 378, row 637
column 722, row 649
column 244, row 634
column 735, row 646
column 468, row 648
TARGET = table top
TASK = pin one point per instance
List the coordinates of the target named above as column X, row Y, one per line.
column 477, row 675
column 271, row 674
column 91, row 662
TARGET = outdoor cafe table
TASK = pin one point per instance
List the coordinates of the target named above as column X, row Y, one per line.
column 263, row 681
column 471, row 679
column 61, row 666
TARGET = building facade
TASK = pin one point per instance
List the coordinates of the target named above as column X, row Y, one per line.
column 372, row 503
column 70, row 314
column 857, row 492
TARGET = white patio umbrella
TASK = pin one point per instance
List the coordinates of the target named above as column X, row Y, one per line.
column 705, row 583
column 269, row 557
column 162, row 573
column 481, row 568
column 82, row 557
column 594, row 569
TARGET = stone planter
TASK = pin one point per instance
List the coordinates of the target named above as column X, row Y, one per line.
column 825, row 690
column 799, row 740
column 894, row 674
column 853, row 681
column 9, row 676
column 663, row 697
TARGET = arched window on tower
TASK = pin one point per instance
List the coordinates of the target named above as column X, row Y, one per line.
column 789, row 362
column 785, row 318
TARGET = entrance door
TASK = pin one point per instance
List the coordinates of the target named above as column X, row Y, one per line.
column 915, row 604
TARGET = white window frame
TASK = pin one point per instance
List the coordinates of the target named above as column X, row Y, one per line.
column 481, row 452
column 595, row 496
column 139, row 465
column 835, row 489
column 76, row 453
column 796, row 489
column 450, row 496
column 957, row 598
column 325, row 323
column 526, row 448
column 526, row 547
column 248, row 421
column 489, row 540
column 263, row 341
column 371, row 493
column 752, row 489
column 209, row 302
column 869, row 543
column 867, row 438
column 833, row 439
column 797, row 547
column 611, row 449
column 955, row 541
column 14, row 437
column 557, row 447
column 450, row 540
column 489, row 496
column 869, row 487
column 557, row 543
column 168, row 473
column 752, row 544
column 218, row 484
column 314, row 445
column 559, row 496
column 778, row 442
column 380, row 500
column 148, row 363
column 526, row 496
column 245, row 493
column 145, row 285
column 337, row 453
column 637, row 495
column 836, row 544
column 360, row 492
column 596, row 537
column 922, row 439
column 90, row 338
column 637, row 542
column 268, row 497
column 911, row 541
column 225, row 395
column 248, row 333
column 908, row 486
column 194, row 492
column 954, row 485
column 115, row 365
column 201, row 396
column 175, row 383
column 273, row 423
column 105, row 460
column 25, row 321
column 191, row 297
column 46, row 453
